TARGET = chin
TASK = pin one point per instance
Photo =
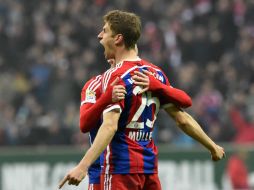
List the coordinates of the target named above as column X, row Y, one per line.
column 108, row 57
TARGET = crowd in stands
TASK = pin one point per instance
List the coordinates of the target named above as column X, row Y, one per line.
column 49, row 49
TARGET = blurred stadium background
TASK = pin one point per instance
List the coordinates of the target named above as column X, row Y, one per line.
column 49, row 49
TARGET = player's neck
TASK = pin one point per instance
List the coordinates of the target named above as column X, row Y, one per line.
column 122, row 55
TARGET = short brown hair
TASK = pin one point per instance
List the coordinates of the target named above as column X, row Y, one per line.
column 125, row 23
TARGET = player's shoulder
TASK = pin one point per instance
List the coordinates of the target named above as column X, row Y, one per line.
column 113, row 70
column 122, row 70
column 118, row 70
column 156, row 71
column 93, row 83
column 150, row 65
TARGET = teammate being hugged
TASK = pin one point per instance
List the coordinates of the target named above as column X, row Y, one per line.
column 93, row 102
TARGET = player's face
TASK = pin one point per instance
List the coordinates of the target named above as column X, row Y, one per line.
column 107, row 40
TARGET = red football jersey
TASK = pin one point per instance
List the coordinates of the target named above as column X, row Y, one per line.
column 132, row 149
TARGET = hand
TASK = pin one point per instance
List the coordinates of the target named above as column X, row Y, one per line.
column 142, row 80
column 218, row 153
column 118, row 92
column 74, row 177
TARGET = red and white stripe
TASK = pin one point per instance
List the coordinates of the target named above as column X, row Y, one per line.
column 90, row 187
column 108, row 182
column 107, row 76
column 107, row 160
column 93, row 86
column 95, row 83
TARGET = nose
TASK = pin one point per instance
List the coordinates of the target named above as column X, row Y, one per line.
column 99, row 36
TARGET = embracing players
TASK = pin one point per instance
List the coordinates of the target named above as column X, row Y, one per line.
column 130, row 156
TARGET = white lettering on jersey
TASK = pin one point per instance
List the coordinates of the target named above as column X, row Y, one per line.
column 159, row 77
column 140, row 135
column 130, row 81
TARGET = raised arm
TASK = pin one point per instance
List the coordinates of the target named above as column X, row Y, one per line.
column 189, row 126
column 170, row 94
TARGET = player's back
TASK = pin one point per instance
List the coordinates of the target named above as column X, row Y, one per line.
column 132, row 149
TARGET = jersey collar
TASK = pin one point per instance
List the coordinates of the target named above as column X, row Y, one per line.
column 135, row 59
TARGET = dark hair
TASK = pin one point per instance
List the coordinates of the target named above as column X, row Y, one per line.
column 125, row 23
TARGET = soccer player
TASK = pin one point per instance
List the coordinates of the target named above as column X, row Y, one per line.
column 130, row 159
column 92, row 105
column 91, row 93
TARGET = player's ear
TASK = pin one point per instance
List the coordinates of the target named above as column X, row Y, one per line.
column 118, row 39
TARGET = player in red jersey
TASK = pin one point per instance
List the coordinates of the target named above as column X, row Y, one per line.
column 126, row 132
column 91, row 98
column 90, row 94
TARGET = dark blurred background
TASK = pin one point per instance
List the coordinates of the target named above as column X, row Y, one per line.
column 49, row 49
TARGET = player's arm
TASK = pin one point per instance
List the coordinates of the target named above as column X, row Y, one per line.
column 102, row 140
column 170, row 94
column 189, row 126
column 89, row 113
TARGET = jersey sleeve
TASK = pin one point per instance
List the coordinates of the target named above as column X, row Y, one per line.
column 168, row 95
column 91, row 90
column 107, row 80
column 157, row 79
column 92, row 105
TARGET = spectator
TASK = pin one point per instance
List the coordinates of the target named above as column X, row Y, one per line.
column 237, row 170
